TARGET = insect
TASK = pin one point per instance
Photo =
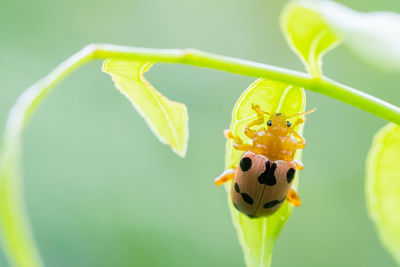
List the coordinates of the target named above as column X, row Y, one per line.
column 263, row 180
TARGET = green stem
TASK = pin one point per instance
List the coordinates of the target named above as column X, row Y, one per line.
column 29, row 100
column 16, row 234
column 198, row 58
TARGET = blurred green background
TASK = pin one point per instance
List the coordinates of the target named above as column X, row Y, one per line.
column 102, row 191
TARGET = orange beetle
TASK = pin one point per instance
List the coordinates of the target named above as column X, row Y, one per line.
column 263, row 179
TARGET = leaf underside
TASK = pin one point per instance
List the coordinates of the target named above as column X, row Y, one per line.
column 383, row 186
column 167, row 119
column 257, row 236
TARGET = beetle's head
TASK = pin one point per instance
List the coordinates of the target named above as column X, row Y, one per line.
column 280, row 125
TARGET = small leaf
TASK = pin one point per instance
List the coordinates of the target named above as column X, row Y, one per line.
column 257, row 236
column 167, row 119
column 383, row 186
column 308, row 35
column 375, row 36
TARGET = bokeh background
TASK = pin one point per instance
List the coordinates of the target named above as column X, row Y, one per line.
column 102, row 191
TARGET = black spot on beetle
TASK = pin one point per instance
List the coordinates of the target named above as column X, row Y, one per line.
column 262, row 179
column 271, row 204
column 245, row 164
column 251, row 216
column 271, row 177
column 290, row 175
column 268, row 176
column 237, row 189
column 247, row 198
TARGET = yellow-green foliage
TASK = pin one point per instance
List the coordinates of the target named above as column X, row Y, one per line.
column 383, row 186
column 167, row 119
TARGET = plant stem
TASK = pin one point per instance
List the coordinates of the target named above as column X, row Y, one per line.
column 16, row 234
column 29, row 100
column 198, row 58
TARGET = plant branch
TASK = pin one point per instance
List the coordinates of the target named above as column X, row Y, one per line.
column 198, row 58
column 324, row 86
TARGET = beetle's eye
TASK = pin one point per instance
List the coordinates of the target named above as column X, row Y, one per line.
column 269, row 123
column 288, row 124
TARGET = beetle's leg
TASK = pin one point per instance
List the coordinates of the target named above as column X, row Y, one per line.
column 301, row 145
column 249, row 132
column 238, row 142
column 293, row 197
column 298, row 136
column 299, row 165
column 301, row 142
column 243, row 147
column 226, row 176
column 258, row 121
column 298, row 122
column 229, row 135
column 260, row 116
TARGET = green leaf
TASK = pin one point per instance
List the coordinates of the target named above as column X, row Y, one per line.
column 375, row 36
column 308, row 35
column 167, row 119
column 257, row 236
column 383, row 186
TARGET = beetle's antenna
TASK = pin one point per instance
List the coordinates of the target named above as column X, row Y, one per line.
column 303, row 113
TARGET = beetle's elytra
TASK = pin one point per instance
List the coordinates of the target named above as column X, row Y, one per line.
column 263, row 179
column 260, row 185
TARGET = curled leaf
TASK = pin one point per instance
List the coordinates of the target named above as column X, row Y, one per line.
column 257, row 236
column 383, row 186
column 167, row 119
column 308, row 34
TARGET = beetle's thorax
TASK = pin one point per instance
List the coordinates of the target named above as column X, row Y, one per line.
column 273, row 146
